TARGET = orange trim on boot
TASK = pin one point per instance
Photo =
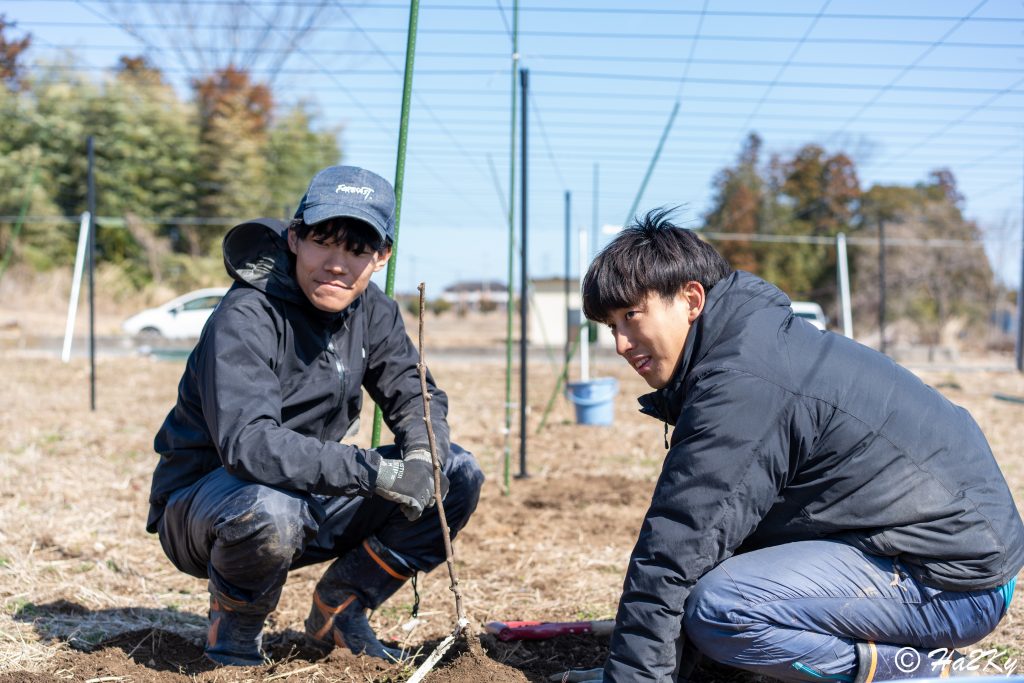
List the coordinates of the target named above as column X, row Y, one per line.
column 225, row 603
column 382, row 563
column 211, row 635
column 874, row 663
column 328, row 613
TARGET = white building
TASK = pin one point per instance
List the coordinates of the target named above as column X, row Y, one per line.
column 475, row 295
column 548, row 316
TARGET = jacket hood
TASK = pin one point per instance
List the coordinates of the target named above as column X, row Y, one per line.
column 729, row 305
column 256, row 254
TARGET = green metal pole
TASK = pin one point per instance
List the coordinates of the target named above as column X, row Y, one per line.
column 654, row 161
column 563, row 377
column 16, row 230
column 403, row 132
column 510, row 309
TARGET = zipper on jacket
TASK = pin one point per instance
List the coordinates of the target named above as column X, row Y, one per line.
column 337, row 363
column 340, row 368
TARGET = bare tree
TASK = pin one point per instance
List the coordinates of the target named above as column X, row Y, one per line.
column 206, row 38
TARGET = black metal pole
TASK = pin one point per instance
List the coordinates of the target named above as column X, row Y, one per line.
column 881, row 285
column 91, row 200
column 568, row 266
column 524, row 286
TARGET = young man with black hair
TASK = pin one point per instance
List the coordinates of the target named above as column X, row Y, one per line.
column 254, row 480
column 821, row 513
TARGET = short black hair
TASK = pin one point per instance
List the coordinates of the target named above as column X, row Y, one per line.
column 357, row 236
column 651, row 255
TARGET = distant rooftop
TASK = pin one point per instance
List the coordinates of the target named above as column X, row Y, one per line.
column 476, row 286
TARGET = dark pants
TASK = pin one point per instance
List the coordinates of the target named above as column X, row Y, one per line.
column 794, row 611
column 245, row 537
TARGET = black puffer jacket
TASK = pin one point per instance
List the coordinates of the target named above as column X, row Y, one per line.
column 785, row 433
column 274, row 383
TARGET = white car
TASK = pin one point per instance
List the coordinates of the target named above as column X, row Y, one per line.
column 811, row 312
column 181, row 318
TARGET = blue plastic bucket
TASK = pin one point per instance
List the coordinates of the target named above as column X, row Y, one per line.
column 594, row 400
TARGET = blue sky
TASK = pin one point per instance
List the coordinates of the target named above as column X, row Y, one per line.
column 904, row 87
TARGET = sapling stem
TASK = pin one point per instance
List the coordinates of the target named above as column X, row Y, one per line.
column 421, row 366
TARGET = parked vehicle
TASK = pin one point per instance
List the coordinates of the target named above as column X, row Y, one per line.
column 180, row 318
column 811, row 312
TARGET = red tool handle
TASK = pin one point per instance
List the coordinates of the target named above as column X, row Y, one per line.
column 542, row 630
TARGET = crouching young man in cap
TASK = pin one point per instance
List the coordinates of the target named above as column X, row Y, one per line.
column 253, row 479
column 821, row 514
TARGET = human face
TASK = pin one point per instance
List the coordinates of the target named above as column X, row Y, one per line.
column 651, row 335
column 331, row 276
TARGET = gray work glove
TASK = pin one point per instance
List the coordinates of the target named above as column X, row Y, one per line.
column 579, row 676
column 409, row 482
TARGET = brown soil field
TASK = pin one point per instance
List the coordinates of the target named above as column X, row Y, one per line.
column 87, row 595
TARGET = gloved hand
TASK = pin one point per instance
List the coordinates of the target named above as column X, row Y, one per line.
column 579, row 676
column 409, row 482
column 424, row 454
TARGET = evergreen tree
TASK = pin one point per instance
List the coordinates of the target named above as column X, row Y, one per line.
column 234, row 117
column 42, row 123
column 295, row 152
column 812, row 193
column 223, row 156
column 819, row 195
column 738, row 206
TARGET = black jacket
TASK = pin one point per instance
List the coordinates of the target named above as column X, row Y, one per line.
column 274, row 383
column 785, row 433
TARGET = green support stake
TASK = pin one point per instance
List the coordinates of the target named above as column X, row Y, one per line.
column 654, row 162
column 510, row 309
column 563, row 377
column 403, row 131
column 16, row 230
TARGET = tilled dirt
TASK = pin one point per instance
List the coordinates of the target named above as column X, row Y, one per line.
column 163, row 657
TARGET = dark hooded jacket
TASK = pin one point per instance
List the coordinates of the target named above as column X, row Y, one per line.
column 784, row 433
column 274, row 383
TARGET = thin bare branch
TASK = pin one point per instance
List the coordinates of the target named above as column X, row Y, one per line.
column 448, row 553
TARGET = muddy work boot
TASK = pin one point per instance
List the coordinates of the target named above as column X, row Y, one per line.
column 881, row 662
column 360, row 580
column 235, row 637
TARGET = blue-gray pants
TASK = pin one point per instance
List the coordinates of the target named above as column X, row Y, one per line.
column 245, row 537
column 794, row 611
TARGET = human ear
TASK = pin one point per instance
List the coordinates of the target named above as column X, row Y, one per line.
column 382, row 260
column 695, row 296
column 293, row 241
